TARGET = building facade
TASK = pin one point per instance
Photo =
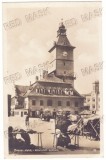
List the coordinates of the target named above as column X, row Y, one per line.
column 53, row 95
column 92, row 100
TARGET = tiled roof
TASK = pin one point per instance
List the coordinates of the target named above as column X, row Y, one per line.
column 49, row 82
column 52, row 79
column 63, row 41
column 21, row 90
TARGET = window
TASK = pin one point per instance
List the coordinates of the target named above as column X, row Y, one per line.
column 93, row 106
column 56, row 91
column 33, row 113
column 41, row 90
column 76, row 104
column 59, row 103
column 59, row 91
column 49, row 102
column 88, row 99
column 16, row 113
column 70, row 92
column 68, row 103
column 33, row 102
column 38, row 90
column 25, row 113
column 87, row 107
column 49, row 91
column 41, row 102
column 93, row 99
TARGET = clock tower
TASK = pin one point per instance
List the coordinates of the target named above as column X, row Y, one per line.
column 61, row 57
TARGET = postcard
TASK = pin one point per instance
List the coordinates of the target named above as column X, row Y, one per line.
column 52, row 57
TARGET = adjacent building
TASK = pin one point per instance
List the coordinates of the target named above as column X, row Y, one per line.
column 92, row 100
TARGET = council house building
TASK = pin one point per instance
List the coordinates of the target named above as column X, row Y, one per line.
column 55, row 90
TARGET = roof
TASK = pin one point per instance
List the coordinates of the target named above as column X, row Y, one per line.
column 21, row 90
column 48, row 83
column 63, row 87
column 52, row 78
column 63, row 41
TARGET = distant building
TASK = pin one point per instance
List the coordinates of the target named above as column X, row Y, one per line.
column 18, row 107
column 92, row 100
column 56, row 89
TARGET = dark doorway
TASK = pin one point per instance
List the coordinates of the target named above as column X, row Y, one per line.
column 9, row 105
column 21, row 114
column 33, row 113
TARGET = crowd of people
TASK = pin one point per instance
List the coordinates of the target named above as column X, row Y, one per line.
column 24, row 142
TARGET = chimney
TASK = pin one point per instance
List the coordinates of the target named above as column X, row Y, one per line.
column 45, row 73
column 37, row 78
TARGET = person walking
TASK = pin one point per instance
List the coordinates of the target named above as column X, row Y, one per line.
column 41, row 113
column 27, row 120
column 54, row 114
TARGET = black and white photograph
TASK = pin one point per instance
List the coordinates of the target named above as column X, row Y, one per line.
column 52, row 78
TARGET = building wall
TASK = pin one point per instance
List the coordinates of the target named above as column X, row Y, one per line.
column 93, row 101
column 72, row 107
column 60, row 50
column 60, row 60
column 26, row 103
column 64, row 67
column 94, row 105
column 20, row 113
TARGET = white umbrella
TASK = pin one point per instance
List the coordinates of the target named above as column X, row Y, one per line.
column 46, row 109
column 72, row 127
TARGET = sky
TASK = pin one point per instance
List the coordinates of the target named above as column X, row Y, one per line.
column 27, row 45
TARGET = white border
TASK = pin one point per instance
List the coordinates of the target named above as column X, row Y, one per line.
column 1, row 78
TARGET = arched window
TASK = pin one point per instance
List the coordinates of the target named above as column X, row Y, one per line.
column 70, row 92
column 49, row 90
column 36, row 90
column 43, row 90
column 56, row 91
column 61, row 91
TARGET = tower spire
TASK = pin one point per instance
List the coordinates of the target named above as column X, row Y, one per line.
column 61, row 23
column 61, row 30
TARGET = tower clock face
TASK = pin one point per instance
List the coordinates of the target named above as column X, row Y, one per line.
column 65, row 53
